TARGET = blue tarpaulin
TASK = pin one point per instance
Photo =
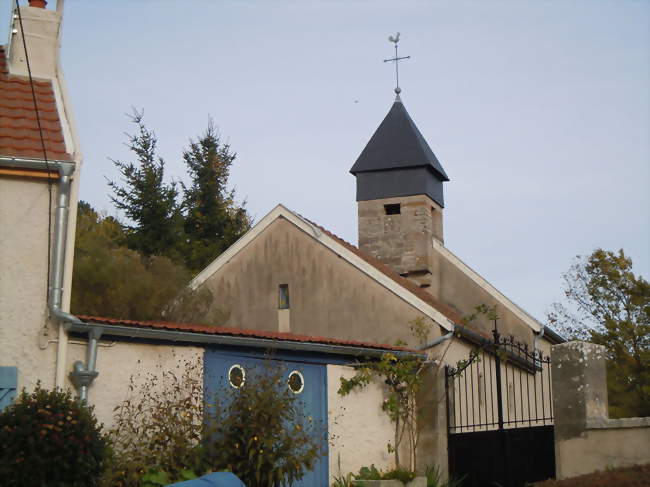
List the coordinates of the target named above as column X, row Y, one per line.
column 217, row 479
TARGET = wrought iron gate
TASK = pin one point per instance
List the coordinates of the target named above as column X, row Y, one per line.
column 500, row 415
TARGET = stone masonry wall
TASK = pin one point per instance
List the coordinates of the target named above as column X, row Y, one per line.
column 403, row 240
column 586, row 440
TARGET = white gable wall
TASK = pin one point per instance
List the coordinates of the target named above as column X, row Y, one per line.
column 359, row 430
column 118, row 361
column 23, row 281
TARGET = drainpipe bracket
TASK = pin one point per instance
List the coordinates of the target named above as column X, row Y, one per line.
column 81, row 377
column 66, row 168
column 95, row 333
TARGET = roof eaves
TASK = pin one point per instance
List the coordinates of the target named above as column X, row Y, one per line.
column 185, row 333
column 553, row 336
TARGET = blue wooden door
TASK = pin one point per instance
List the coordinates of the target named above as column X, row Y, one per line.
column 8, row 385
column 307, row 380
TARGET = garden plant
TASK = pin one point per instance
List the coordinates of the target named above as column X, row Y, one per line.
column 157, row 431
column 48, row 438
column 162, row 432
column 260, row 432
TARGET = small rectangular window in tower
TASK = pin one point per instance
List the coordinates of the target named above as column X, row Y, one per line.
column 393, row 209
column 283, row 296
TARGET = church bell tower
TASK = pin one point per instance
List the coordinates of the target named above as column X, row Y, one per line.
column 400, row 197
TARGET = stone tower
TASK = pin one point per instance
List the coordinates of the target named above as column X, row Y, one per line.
column 400, row 197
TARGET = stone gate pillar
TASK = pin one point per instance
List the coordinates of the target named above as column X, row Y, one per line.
column 579, row 386
column 432, row 420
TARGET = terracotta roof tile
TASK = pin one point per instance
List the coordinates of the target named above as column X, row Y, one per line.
column 4, row 69
column 19, row 134
column 241, row 332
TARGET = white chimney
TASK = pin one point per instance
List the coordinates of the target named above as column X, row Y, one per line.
column 42, row 28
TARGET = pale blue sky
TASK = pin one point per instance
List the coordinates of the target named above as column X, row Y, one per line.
column 539, row 111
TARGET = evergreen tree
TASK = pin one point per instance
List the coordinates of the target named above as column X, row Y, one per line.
column 144, row 197
column 213, row 220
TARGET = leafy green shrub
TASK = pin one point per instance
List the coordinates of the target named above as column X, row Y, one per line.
column 368, row 473
column 100, row 261
column 261, row 434
column 49, row 438
column 372, row 473
column 158, row 429
column 400, row 474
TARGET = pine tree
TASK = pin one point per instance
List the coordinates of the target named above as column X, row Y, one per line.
column 213, row 220
column 147, row 201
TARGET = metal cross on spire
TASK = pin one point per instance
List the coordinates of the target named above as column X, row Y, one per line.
column 396, row 60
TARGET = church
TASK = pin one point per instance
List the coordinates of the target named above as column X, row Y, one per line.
column 289, row 274
column 288, row 285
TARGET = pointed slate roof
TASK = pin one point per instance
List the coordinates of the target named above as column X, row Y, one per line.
column 397, row 144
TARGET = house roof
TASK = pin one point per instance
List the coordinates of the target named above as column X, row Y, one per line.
column 19, row 134
column 398, row 144
column 238, row 332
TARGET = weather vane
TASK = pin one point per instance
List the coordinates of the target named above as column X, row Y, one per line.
column 396, row 60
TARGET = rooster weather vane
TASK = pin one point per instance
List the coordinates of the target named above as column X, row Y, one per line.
column 396, row 60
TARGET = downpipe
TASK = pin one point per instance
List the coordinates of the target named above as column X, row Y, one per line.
column 82, row 375
column 436, row 341
column 58, row 256
column 538, row 337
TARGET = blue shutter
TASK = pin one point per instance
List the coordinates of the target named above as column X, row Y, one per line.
column 8, row 385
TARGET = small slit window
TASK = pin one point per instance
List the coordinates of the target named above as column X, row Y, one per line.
column 236, row 376
column 296, row 382
column 393, row 209
column 283, row 296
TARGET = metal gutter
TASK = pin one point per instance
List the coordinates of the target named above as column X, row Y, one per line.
column 31, row 163
column 553, row 336
column 235, row 341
